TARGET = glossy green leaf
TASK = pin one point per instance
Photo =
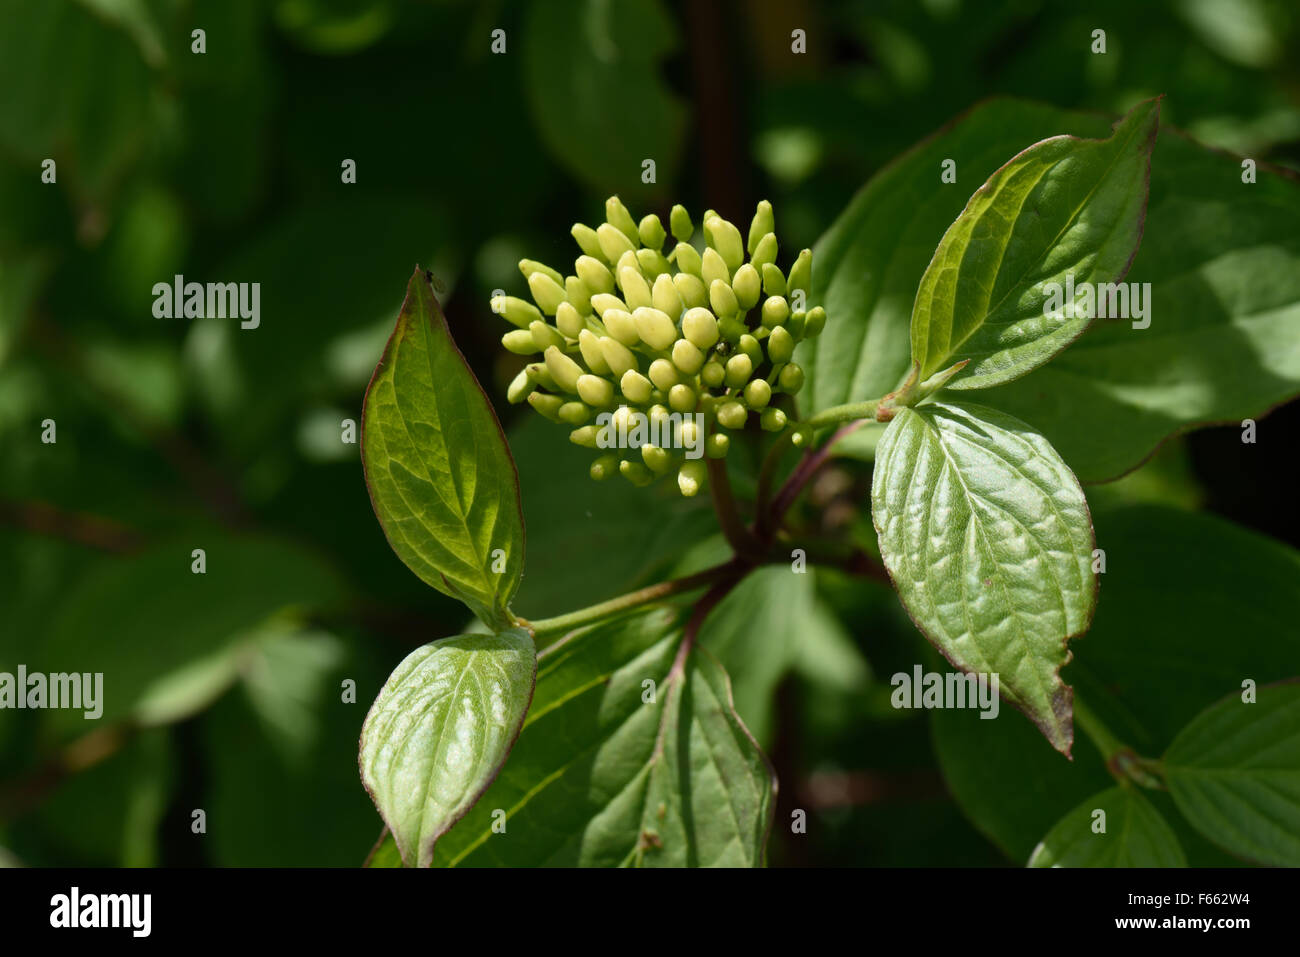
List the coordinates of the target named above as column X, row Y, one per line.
column 1065, row 207
column 1222, row 256
column 624, row 760
column 592, row 74
column 1234, row 772
column 1154, row 658
column 1135, row 835
column 987, row 537
column 440, row 730
column 440, row 474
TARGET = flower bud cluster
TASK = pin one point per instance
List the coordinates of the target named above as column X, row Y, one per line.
column 650, row 323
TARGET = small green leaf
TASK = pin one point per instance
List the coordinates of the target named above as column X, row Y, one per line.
column 1234, row 772
column 986, row 535
column 624, row 760
column 1135, row 835
column 1062, row 207
column 439, row 471
column 440, row 730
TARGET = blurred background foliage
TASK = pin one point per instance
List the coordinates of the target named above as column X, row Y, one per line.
column 225, row 690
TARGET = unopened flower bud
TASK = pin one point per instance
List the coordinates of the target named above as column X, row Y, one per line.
column 815, row 322
column 687, row 259
column 656, row 458
column 619, row 324
column 563, row 370
column 749, row 345
column 757, row 394
column 679, row 221
column 713, row 267
column 574, row 413
column 594, row 274
column 716, row 445
column 773, row 280
column 731, row 328
column 664, row 297
column 691, row 477
column 636, row 387
column 569, row 321
column 692, row 290
column 635, row 472
column 723, row 298
column 725, row 238
column 530, row 266
column 520, row 342
column 732, row 415
column 655, row 328
column 795, row 325
column 538, row 372
column 801, row 273
column 545, row 336
column 663, row 374
column 765, row 252
column 780, row 345
column 686, row 357
column 653, row 263
column 613, row 242
column 763, row 224
column 739, row 369
column 604, row 467
column 700, row 327
column 651, row 232
column 519, row 388
column 791, row 379
column 516, row 311
column 547, row 405
column 713, row 374
column 587, row 241
column 775, row 311
column 547, row 293
column 681, row 398
column 636, row 292
column 589, row 346
column 618, row 357
column 772, row 420
column 603, row 301
column 595, row 391
column 576, row 291
column 747, row 285
column 616, row 215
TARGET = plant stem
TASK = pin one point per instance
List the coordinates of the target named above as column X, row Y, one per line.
column 632, row 600
column 843, row 413
column 1097, row 733
column 803, row 473
column 738, row 536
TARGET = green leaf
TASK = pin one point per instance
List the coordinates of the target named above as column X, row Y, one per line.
column 1135, row 835
column 1222, row 257
column 624, row 760
column 591, row 72
column 440, row 730
column 440, row 474
column 1234, row 772
column 986, row 535
column 120, row 619
column 1154, row 658
column 1063, row 207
